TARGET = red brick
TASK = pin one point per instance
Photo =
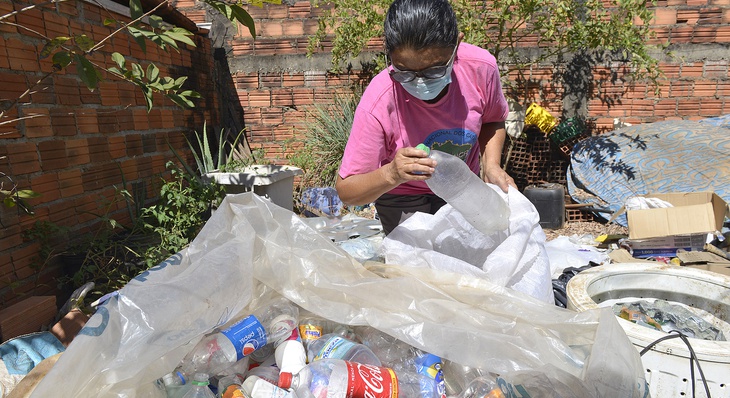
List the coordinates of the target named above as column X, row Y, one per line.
column 47, row 186
column 67, row 90
column 722, row 34
column 134, row 145
column 24, row 56
column 70, row 183
column 63, row 122
column 704, row 34
column 259, row 98
column 691, row 70
column 86, row 121
column 687, row 16
column 98, row 149
column 77, row 152
column 665, row 16
column 711, row 107
column 38, row 122
column 681, row 34
column 53, row 155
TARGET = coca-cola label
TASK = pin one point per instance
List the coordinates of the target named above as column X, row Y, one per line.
column 368, row 381
column 246, row 335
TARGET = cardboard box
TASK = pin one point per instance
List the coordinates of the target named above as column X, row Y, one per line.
column 666, row 246
column 693, row 213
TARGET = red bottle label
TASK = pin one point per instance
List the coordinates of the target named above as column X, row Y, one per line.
column 367, row 381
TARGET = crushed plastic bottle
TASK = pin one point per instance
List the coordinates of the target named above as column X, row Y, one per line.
column 270, row 322
column 230, row 386
column 454, row 182
column 482, row 387
column 336, row 378
column 256, row 387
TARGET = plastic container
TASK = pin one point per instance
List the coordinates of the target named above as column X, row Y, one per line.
column 333, row 345
column 335, row 378
column 549, row 201
column 454, row 182
column 667, row 364
column 271, row 322
column 199, row 387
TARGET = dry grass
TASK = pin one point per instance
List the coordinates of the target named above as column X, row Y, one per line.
column 582, row 228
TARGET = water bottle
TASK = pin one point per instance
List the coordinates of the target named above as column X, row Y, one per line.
column 269, row 323
column 333, row 345
column 256, row 387
column 290, row 355
column 176, row 384
column 199, row 387
column 336, row 378
column 454, row 182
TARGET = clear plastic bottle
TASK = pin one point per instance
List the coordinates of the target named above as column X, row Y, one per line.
column 333, row 345
column 256, row 387
column 230, row 386
column 176, row 384
column 270, row 322
column 403, row 357
column 454, row 182
column 336, row 378
column 199, row 387
column 482, row 387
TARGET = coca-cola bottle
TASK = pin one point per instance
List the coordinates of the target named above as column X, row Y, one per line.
column 336, row 378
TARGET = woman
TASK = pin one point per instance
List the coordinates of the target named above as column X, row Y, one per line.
column 436, row 90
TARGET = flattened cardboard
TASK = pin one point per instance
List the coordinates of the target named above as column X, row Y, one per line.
column 693, row 213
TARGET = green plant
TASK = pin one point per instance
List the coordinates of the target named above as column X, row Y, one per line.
column 325, row 138
column 223, row 154
column 11, row 196
column 184, row 205
column 557, row 27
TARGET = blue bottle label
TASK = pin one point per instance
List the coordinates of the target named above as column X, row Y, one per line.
column 336, row 347
column 247, row 335
column 430, row 365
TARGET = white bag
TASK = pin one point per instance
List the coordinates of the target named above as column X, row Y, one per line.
column 251, row 249
column 514, row 258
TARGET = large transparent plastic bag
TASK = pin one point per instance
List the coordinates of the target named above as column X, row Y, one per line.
column 251, row 249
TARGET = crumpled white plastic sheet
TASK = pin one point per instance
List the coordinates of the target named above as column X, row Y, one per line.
column 514, row 258
column 251, row 249
column 569, row 251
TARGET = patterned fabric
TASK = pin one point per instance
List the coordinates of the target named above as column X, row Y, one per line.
column 661, row 157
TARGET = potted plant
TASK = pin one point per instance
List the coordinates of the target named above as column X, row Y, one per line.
column 232, row 164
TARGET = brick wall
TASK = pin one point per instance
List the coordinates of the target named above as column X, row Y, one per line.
column 75, row 146
column 277, row 83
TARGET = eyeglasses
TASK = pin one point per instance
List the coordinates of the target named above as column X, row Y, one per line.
column 433, row 72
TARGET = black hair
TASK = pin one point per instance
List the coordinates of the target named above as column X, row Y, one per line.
column 418, row 24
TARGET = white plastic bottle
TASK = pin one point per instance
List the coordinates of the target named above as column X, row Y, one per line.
column 333, row 345
column 290, row 355
column 199, row 387
column 256, row 387
column 270, row 322
column 335, row 378
column 454, row 182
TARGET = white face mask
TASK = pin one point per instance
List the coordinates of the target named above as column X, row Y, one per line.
column 428, row 89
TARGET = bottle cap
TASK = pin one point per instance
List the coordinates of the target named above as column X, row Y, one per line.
column 424, row 148
column 284, row 380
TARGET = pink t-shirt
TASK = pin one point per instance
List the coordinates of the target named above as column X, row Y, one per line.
column 388, row 118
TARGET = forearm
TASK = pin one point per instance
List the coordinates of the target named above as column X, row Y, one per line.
column 361, row 189
column 491, row 140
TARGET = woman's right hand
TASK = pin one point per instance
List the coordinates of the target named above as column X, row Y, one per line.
column 410, row 164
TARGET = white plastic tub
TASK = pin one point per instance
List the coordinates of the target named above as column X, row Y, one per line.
column 667, row 364
column 273, row 182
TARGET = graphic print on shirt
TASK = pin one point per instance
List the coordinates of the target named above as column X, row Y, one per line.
column 457, row 142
